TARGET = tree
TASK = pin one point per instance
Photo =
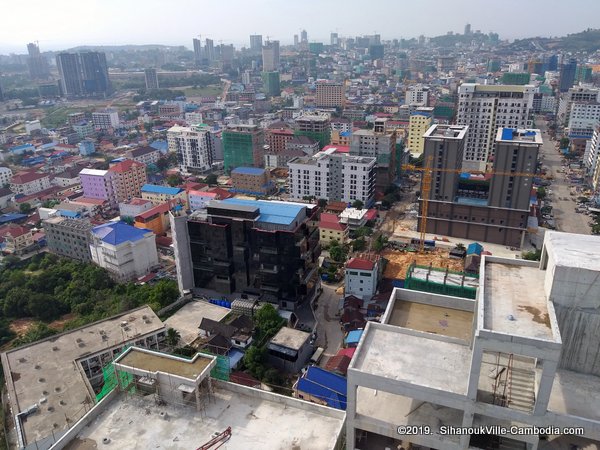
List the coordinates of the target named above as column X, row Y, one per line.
column 173, row 337
column 322, row 203
column 380, row 243
column 337, row 252
column 564, row 142
column 254, row 360
column 174, row 180
column 388, row 200
column 541, row 193
column 359, row 244
column 211, row 179
column 363, row 231
column 534, row 255
column 162, row 164
column 358, row 204
column 25, row 208
column 267, row 322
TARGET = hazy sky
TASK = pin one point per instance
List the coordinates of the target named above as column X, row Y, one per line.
column 59, row 24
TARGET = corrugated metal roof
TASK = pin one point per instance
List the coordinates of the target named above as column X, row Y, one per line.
column 327, row 386
column 155, row 189
column 116, row 233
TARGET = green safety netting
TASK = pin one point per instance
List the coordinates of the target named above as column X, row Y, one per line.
column 112, row 378
column 418, row 284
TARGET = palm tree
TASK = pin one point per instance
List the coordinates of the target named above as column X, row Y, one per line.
column 173, row 337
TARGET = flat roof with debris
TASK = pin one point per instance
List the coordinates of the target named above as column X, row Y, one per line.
column 514, row 301
column 259, row 420
column 48, row 369
column 187, row 319
column 290, row 338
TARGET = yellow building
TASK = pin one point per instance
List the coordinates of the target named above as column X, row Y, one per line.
column 161, row 194
column 331, row 229
column 341, row 138
column 419, row 123
column 156, row 218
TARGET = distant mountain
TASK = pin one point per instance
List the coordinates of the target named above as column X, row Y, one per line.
column 585, row 41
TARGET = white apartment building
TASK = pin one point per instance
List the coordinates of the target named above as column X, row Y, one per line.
column 583, row 119
column 485, row 108
column 27, row 183
column 523, row 354
column 418, row 124
column 5, row 176
column 379, row 143
column 577, row 94
column 417, row 95
column 104, row 120
column 193, row 118
column 194, row 147
column 591, row 159
column 125, row 251
column 333, row 176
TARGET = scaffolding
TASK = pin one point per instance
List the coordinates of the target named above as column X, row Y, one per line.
column 432, row 285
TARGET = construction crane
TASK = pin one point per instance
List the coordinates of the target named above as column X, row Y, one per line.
column 428, row 170
column 219, row 438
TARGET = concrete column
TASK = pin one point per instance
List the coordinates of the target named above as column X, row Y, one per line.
column 543, row 395
column 198, row 400
column 467, row 422
column 350, row 416
column 476, row 360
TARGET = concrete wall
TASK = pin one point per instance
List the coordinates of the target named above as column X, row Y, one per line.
column 84, row 421
column 580, row 332
column 182, row 253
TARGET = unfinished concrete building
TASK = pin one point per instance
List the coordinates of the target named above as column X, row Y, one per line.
column 482, row 207
column 522, row 355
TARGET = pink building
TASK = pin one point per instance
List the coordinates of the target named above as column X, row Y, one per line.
column 99, row 184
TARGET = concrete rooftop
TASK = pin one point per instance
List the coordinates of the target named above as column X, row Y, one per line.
column 514, row 301
column 133, row 422
column 432, row 319
column 397, row 355
column 575, row 394
column 48, row 369
column 290, row 338
column 187, row 319
column 573, row 250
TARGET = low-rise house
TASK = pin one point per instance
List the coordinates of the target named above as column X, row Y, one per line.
column 331, row 229
column 289, row 350
column 16, row 239
column 322, row 387
column 28, row 183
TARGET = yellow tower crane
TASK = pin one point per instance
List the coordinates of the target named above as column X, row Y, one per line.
column 427, row 172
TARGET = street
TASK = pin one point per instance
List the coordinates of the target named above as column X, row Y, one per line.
column 329, row 333
column 563, row 204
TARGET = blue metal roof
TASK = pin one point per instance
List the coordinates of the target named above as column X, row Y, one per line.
column 353, row 337
column 155, row 189
column 270, row 212
column 327, row 386
column 12, row 217
column 23, row 147
column 116, row 233
column 248, row 170
column 68, row 213
column 160, row 145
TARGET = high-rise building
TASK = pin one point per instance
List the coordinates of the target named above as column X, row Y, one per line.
column 151, row 77
column 376, row 51
column 100, row 185
column 255, row 44
column 568, row 72
column 575, row 95
column 83, row 74
column 333, row 39
column 197, row 51
column 418, row 124
column 491, row 210
column 303, row 37
column 485, row 108
column 37, row 63
column 296, row 40
column 467, row 29
column 243, row 146
column 209, row 50
column 315, row 126
column 227, row 52
column 379, row 143
column 417, row 95
column 270, row 55
column 330, row 94
column 333, row 176
column 194, row 146
column 271, row 84
column 235, row 245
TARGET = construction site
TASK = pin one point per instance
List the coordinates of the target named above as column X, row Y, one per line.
column 510, row 357
column 165, row 401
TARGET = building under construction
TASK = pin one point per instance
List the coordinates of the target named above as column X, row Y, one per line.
column 482, row 207
column 523, row 354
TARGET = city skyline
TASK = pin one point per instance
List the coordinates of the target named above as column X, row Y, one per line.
column 111, row 23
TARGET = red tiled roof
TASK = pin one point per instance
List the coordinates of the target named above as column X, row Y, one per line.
column 222, row 193
column 204, row 194
column 159, row 209
column 14, row 230
column 331, row 222
column 339, row 148
column 137, row 202
column 371, row 214
column 193, row 186
column 244, row 379
column 125, row 166
column 349, row 352
column 360, row 264
column 26, row 177
column 338, row 364
column 89, row 201
column 163, row 241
